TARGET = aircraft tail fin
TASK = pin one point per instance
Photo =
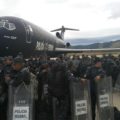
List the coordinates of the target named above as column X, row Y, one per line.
column 62, row 29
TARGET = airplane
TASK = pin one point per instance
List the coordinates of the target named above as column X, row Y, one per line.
column 18, row 35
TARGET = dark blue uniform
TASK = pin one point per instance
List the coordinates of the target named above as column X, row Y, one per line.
column 91, row 74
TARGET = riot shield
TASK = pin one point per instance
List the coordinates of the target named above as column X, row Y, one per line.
column 117, row 84
column 80, row 100
column 20, row 102
column 105, row 99
column 116, row 96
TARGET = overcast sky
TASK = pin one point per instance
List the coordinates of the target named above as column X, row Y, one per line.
column 92, row 17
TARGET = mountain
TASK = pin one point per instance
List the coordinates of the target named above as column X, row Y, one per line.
column 112, row 44
column 94, row 40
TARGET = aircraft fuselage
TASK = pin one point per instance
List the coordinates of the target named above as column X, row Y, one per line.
column 18, row 35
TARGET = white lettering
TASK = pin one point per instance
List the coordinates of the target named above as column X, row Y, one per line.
column 81, row 107
column 10, row 37
column 20, row 113
column 104, row 100
column 44, row 46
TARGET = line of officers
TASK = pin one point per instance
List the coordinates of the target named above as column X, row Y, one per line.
column 52, row 80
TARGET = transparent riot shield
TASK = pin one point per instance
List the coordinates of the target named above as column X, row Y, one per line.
column 20, row 102
column 116, row 96
column 105, row 99
column 80, row 100
column 117, row 84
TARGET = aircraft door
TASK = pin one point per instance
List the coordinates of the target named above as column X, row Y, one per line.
column 29, row 33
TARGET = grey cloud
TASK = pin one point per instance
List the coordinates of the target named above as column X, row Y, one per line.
column 82, row 5
column 56, row 1
column 114, row 9
column 9, row 7
column 10, row 3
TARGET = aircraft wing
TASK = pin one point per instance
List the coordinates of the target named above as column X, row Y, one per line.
column 68, row 50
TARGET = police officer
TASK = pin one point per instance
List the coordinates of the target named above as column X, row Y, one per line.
column 20, row 73
column 94, row 74
column 6, row 72
column 58, row 88
column 5, row 75
column 2, row 95
column 44, row 105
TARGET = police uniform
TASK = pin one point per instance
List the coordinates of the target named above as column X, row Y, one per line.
column 91, row 74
